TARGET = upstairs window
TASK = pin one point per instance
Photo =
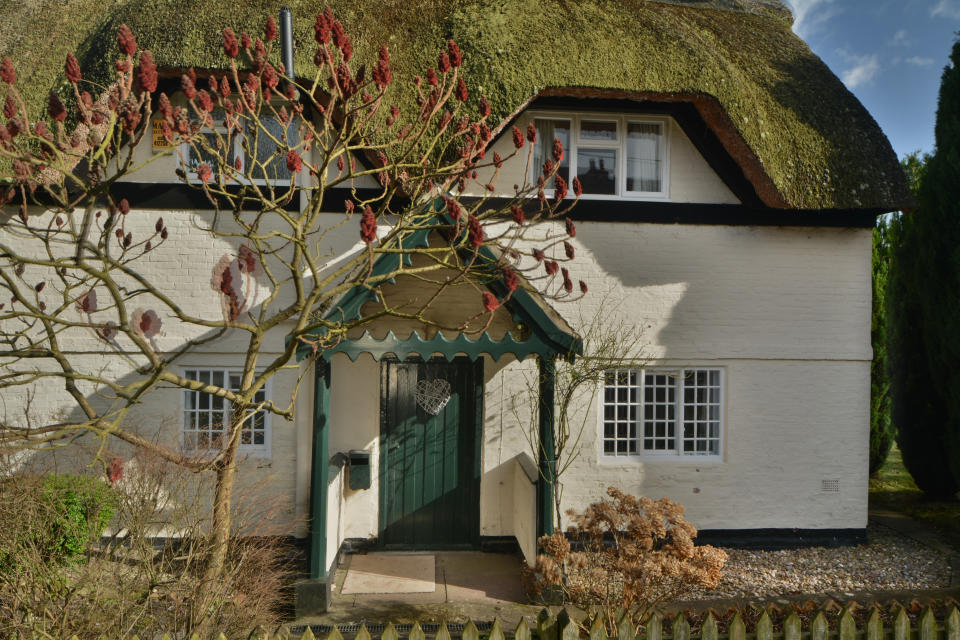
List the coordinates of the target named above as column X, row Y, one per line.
column 614, row 156
column 257, row 154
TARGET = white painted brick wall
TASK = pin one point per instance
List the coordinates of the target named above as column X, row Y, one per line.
column 785, row 311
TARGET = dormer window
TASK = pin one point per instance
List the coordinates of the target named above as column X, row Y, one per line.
column 615, row 155
column 257, row 154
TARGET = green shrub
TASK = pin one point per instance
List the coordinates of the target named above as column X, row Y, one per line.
column 78, row 509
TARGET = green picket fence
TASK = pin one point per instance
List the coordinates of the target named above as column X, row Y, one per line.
column 561, row 627
column 548, row 627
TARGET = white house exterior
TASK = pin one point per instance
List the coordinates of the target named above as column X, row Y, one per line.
column 748, row 397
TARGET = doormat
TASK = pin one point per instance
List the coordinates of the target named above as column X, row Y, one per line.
column 391, row 573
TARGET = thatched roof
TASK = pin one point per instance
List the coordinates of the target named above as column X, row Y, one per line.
column 808, row 138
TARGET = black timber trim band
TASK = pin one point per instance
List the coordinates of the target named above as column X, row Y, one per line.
column 150, row 195
column 173, row 195
column 766, row 539
column 181, row 196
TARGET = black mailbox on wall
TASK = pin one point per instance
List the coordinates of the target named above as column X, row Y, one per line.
column 359, row 461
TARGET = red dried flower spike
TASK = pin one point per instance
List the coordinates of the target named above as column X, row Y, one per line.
column 567, row 283
column 456, row 58
column 56, row 109
column 583, row 287
column 568, row 249
column 531, row 133
column 9, row 106
column 518, row 140
column 577, row 187
column 559, row 187
column 461, row 90
column 368, row 226
column 484, row 107
column 490, row 302
column 204, row 172
column 571, row 228
column 453, row 208
column 557, row 150
column 146, row 72
column 551, row 266
column 270, row 32
column 72, row 68
column 322, row 28
column 204, row 101
column 475, row 233
column 443, row 62
column 7, row 72
column 294, row 162
column 231, row 46
column 187, row 86
column 518, row 215
column 382, row 75
column 510, row 279
column 128, row 43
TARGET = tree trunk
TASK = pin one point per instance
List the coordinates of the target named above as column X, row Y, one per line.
column 220, row 528
column 226, row 473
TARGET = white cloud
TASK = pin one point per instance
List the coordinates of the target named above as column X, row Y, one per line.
column 899, row 39
column 809, row 16
column 920, row 61
column 862, row 71
column 947, row 9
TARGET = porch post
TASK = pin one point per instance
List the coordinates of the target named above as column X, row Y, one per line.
column 321, row 456
column 313, row 595
column 546, row 461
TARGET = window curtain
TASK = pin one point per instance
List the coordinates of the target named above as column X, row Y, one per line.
column 643, row 157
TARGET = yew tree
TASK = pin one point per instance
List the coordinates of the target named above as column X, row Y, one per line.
column 78, row 264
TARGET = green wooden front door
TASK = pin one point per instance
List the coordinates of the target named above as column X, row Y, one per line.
column 429, row 454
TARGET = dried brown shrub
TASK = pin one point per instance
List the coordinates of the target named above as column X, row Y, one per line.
column 147, row 577
column 636, row 553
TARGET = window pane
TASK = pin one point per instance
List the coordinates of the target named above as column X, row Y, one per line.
column 701, row 410
column 207, row 148
column 597, row 130
column 268, row 161
column 644, row 157
column 597, row 170
column 620, row 409
column 660, row 424
column 547, row 132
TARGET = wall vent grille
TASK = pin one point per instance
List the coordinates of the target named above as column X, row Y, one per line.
column 830, row 486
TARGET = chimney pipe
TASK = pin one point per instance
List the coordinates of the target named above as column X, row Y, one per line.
column 286, row 40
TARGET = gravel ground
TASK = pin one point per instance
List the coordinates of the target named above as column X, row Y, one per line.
column 889, row 561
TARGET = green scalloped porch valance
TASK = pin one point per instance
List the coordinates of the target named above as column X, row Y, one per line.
column 439, row 345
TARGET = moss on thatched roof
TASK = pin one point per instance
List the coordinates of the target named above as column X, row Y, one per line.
column 815, row 142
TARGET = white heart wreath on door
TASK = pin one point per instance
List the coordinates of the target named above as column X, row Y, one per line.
column 432, row 395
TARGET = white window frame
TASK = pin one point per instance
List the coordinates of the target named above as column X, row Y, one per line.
column 253, row 450
column 623, row 120
column 676, row 454
column 238, row 151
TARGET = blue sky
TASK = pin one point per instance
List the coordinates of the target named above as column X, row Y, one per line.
column 889, row 53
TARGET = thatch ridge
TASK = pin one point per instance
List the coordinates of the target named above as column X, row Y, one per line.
column 814, row 140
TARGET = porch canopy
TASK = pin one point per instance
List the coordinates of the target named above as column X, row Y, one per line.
column 523, row 325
